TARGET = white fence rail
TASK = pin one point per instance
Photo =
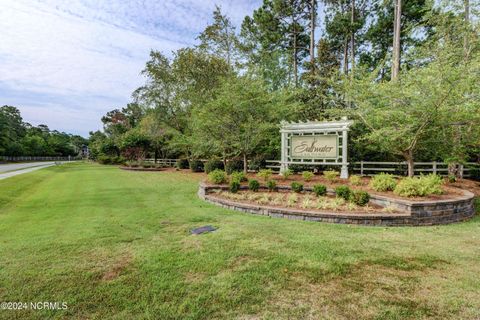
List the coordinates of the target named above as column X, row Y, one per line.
column 34, row 158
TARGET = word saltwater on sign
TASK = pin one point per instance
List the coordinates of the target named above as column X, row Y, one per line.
column 314, row 147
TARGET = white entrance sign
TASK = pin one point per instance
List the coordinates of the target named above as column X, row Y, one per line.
column 315, row 143
column 314, row 147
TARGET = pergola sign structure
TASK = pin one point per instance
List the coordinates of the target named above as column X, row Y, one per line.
column 315, row 143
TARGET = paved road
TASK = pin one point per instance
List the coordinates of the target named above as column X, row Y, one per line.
column 18, row 166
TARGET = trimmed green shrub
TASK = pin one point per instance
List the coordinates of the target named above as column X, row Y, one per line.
column 419, row 186
column 182, row 164
column 320, row 190
column 343, row 192
column 265, row 174
column 286, row 173
column 253, row 185
column 307, row 175
column 355, row 180
column 238, row 176
column 234, row 186
column 330, row 175
column 360, row 198
column 234, row 165
column 272, row 185
column 103, row 159
column 196, row 166
column 296, row 186
column 217, row 176
column 383, row 182
column 213, row 164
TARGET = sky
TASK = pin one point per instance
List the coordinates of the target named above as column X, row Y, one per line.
column 65, row 63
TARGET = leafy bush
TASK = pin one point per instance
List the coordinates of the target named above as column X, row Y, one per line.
column 286, row 173
column 474, row 173
column 146, row 164
column 419, row 186
column 196, row 165
column 182, row 164
column 234, row 186
column 360, row 198
column 257, row 163
column 234, row 165
column 383, row 182
column 296, row 168
column 253, row 185
column 330, row 175
column 217, row 176
column 105, row 159
column 355, row 180
column 265, row 174
column 238, row 176
column 320, row 190
column 271, row 185
column 296, row 186
column 213, row 164
column 343, row 192
column 307, row 175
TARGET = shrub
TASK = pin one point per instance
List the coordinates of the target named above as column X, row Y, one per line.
column 286, row 173
column 234, row 165
column 234, row 186
column 196, row 166
column 343, row 192
column 265, row 174
column 307, row 175
column 296, row 168
column 296, row 186
column 182, row 164
column 355, row 180
column 213, row 164
column 330, row 175
column 360, row 198
column 103, row 159
column 217, row 176
column 147, row 165
column 257, row 163
column 383, row 182
column 271, row 185
column 474, row 173
column 451, row 178
column 320, row 190
column 419, row 186
column 238, row 176
column 253, row 185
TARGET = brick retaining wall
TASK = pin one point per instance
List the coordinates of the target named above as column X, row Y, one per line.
column 413, row 213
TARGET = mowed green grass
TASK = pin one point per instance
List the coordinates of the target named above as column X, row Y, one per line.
column 115, row 244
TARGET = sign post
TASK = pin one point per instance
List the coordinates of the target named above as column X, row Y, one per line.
column 315, row 143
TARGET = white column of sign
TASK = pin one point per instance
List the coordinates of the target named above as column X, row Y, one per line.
column 344, row 170
column 283, row 164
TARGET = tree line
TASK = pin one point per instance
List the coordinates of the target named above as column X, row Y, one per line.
column 407, row 72
column 18, row 138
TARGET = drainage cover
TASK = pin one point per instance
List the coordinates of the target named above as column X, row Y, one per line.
column 203, row 229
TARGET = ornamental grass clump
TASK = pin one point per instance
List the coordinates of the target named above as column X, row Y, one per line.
column 319, row 190
column 253, row 185
column 307, row 175
column 217, row 176
column 271, row 185
column 355, row 180
column 265, row 174
column 330, row 175
column 383, row 182
column 296, row 187
column 419, row 186
column 343, row 192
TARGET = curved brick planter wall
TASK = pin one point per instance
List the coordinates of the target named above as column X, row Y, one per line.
column 414, row 213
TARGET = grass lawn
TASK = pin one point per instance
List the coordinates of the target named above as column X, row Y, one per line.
column 115, row 244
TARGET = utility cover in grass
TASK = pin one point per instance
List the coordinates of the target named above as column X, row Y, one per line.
column 203, row 229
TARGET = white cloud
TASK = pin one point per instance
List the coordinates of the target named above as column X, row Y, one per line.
column 67, row 62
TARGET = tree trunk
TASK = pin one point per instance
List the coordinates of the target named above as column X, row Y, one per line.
column 155, row 156
column 466, row 46
column 245, row 163
column 295, row 67
column 409, row 157
column 313, row 8
column 397, row 28
column 345, row 57
column 352, row 38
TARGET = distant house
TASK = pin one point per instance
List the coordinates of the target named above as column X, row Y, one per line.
column 84, row 151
